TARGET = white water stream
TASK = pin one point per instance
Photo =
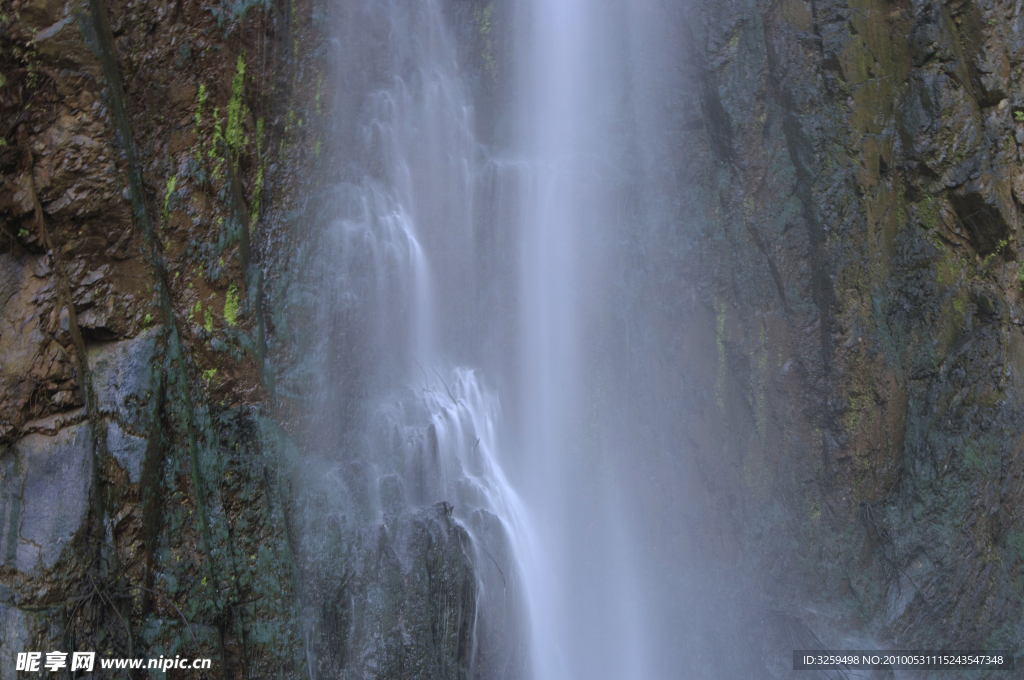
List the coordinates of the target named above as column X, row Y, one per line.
column 432, row 302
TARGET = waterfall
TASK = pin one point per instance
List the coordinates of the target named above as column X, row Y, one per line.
column 480, row 310
column 405, row 473
column 589, row 624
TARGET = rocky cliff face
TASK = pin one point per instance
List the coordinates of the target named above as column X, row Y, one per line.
column 142, row 493
column 859, row 170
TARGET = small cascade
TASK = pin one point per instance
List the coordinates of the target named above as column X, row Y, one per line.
column 442, row 435
column 412, row 537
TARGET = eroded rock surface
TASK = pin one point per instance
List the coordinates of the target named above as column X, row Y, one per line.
column 135, row 489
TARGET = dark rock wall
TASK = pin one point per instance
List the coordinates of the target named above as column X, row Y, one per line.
column 143, row 486
column 856, row 184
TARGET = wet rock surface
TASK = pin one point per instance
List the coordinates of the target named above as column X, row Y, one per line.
column 395, row 600
column 36, row 372
column 866, row 289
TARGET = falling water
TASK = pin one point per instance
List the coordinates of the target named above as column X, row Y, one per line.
column 590, row 613
column 404, row 434
column 481, row 310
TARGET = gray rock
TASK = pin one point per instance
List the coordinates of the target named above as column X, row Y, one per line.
column 128, row 450
column 123, row 376
column 396, row 601
column 392, row 496
column 14, row 638
column 45, row 484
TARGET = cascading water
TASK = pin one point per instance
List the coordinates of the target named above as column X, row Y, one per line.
column 403, row 494
column 532, row 262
